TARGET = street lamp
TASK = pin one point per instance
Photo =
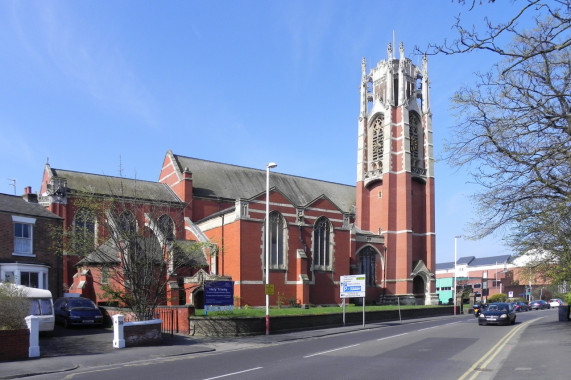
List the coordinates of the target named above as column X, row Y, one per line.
column 455, row 268
column 267, row 263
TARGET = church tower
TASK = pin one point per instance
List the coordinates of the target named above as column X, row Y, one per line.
column 395, row 172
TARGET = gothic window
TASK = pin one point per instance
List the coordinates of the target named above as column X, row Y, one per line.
column 127, row 224
column 278, row 238
column 415, row 132
column 166, row 226
column 376, row 147
column 322, row 241
column 367, row 265
column 83, row 231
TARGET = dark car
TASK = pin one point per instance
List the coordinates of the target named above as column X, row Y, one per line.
column 499, row 313
column 539, row 305
column 520, row 306
column 77, row 311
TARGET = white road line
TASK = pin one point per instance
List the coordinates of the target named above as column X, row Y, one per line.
column 233, row 373
column 392, row 336
column 428, row 328
column 326, row 352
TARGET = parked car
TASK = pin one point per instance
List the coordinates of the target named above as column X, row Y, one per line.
column 77, row 311
column 555, row 302
column 520, row 306
column 499, row 313
column 539, row 305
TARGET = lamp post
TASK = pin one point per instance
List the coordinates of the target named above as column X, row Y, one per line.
column 455, row 268
column 267, row 246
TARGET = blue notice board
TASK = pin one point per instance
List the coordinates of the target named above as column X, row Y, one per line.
column 219, row 293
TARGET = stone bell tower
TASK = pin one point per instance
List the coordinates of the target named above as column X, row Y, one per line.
column 395, row 173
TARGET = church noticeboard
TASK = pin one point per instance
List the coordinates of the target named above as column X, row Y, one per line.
column 219, row 295
column 352, row 286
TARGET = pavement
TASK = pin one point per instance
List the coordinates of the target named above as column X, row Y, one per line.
column 68, row 350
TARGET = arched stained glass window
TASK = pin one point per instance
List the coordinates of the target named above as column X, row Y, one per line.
column 367, row 265
column 278, row 241
column 166, row 226
column 322, row 241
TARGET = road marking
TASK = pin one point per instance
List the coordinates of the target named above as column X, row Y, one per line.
column 326, row 352
column 392, row 336
column 487, row 358
column 234, row 373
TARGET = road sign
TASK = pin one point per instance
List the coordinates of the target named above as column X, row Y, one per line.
column 352, row 286
column 270, row 289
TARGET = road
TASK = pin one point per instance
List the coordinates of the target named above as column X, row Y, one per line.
column 443, row 348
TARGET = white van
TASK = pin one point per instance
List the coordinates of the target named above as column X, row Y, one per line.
column 41, row 306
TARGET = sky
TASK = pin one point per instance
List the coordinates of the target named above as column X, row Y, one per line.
column 109, row 87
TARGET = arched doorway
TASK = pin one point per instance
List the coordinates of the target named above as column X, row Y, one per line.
column 418, row 287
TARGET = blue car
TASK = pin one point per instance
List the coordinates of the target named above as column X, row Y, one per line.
column 77, row 311
column 499, row 313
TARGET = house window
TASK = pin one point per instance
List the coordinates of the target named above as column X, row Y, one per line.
column 367, row 265
column 278, row 234
column 30, row 279
column 23, row 238
column 322, row 240
column 23, row 235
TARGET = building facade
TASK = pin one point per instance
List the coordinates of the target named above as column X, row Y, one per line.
column 29, row 253
column 318, row 231
column 487, row 276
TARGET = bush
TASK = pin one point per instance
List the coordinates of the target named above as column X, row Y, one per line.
column 568, row 298
column 14, row 307
column 500, row 297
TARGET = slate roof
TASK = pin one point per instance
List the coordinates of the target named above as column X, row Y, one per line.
column 16, row 205
column 218, row 180
column 116, row 186
column 491, row 260
column 465, row 260
column 108, row 253
column 444, row 266
column 472, row 261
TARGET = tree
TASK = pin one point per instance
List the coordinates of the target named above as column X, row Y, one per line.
column 513, row 132
column 131, row 242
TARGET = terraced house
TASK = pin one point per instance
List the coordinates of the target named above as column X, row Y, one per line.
column 29, row 253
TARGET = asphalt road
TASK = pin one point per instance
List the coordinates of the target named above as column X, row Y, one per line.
column 444, row 348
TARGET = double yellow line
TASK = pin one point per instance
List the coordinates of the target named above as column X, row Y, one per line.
column 485, row 360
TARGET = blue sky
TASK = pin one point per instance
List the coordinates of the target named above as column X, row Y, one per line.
column 109, row 87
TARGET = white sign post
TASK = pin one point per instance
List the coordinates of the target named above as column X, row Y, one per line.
column 353, row 286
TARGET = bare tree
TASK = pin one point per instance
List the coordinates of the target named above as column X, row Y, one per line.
column 513, row 131
column 551, row 16
column 135, row 251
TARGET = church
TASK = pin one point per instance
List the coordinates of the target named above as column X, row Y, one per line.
column 317, row 231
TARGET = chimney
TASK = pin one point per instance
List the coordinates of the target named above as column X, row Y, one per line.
column 29, row 196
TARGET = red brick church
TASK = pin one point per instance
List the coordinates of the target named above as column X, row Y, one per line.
column 384, row 227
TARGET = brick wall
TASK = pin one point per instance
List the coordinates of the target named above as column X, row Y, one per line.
column 14, row 344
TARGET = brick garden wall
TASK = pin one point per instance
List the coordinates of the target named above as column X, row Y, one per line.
column 14, row 344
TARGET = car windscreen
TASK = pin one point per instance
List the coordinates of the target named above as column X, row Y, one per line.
column 81, row 302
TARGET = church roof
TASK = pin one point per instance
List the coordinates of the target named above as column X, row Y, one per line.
column 116, row 186
column 218, row 180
